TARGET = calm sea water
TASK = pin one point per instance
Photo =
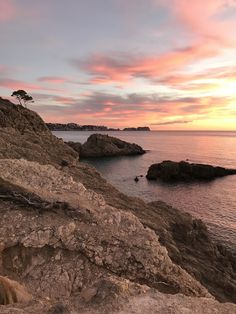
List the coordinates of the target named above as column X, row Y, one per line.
column 213, row 202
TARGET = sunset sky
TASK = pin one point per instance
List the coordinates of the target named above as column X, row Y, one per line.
column 167, row 64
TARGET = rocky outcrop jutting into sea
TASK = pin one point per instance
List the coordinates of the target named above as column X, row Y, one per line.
column 100, row 145
column 80, row 246
column 170, row 171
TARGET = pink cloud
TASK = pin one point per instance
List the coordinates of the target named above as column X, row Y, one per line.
column 7, row 10
column 16, row 84
column 206, row 80
column 64, row 100
column 53, row 79
column 3, row 70
column 149, row 109
column 121, row 68
column 204, row 18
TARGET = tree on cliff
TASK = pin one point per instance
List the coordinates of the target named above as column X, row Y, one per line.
column 22, row 97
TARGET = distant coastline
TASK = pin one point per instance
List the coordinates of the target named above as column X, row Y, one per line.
column 77, row 127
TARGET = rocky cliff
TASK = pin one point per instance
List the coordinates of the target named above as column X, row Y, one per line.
column 80, row 246
column 23, row 134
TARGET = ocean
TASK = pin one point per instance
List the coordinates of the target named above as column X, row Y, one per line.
column 214, row 202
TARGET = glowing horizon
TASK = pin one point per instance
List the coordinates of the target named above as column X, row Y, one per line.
column 166, row 64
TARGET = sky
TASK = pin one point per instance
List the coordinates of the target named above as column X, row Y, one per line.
column 166, row 64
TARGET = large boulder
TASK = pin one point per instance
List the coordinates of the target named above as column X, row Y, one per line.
column 100, row 145
column 170, row 171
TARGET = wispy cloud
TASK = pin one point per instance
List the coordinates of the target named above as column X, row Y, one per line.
column 53, row 79
column 117, row 110
column 123, row 67
column 17, row 84
column 205, row 18
column 179, row 121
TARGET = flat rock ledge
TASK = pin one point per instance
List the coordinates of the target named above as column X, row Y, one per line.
column 100, row 145
column 171, row 171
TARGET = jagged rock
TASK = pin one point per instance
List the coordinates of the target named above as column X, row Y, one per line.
column 99, row 145
column 170, row 171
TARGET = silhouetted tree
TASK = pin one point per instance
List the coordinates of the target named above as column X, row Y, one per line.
column 22, row 97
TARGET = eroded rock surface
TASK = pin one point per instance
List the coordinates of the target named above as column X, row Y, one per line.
column 170, row 171
column 107, row 236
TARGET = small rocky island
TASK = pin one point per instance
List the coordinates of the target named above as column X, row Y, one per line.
column 100, row 145
column 170, row 171
column 70, row 242
column 140, row 128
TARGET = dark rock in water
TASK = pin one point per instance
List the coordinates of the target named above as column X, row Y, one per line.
column 171, row 171
column 99, row 145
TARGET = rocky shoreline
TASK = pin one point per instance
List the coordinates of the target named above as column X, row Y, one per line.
column 81, row 246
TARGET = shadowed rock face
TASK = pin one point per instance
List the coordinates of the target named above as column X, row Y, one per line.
column 100, row 145
column 170, row 171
